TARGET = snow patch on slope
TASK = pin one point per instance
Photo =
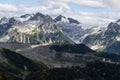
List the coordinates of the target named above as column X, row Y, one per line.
column 118, row 38
column 95, row 47
column 4, row 39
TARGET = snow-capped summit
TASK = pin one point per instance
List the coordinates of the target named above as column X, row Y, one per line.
column 61, row 18
column 101, row 38
column 64, row 19
column 23, row 18
column 37, row 16
column 118, row 22
column 34, row 29
column 71, row 27
column 71, row 20
column 14, row 20
column 4, row 20
column 26, row 15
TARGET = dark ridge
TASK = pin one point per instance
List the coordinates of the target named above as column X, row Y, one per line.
column 59, row 18
column 13, row 21
column 118, row 20
column 109, row 56
column 71, row 48
column 3, row 19
column 73, row 21
column 14, row 63
column 93, row 71
column 25, row 16
column 113, row 48
column 37, row 16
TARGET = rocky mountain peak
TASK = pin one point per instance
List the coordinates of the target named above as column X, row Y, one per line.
column 4, row 20
column 64, row 19
column 59, row 18
column 26, row 16
column 113, row 29
column 71, row 20
column 37, row 29
column 37, row 16
column 118, row 20
column 13, row 21
column 71, row 27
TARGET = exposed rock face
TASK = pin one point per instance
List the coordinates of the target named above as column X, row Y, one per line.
column 104, row 38
column 33, row 29
column 71, row 27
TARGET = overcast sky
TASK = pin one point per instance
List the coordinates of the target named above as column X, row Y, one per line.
column 89, row 12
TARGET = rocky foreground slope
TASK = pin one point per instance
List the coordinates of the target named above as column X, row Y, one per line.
column 87, row 66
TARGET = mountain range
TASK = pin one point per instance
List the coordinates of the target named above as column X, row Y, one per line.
column 105, row 39
column 38, row 47
column 71, row 27
column 32, row 28
column 97, row 38
column 42, row 29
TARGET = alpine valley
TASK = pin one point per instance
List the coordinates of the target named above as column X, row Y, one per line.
column 39, row 47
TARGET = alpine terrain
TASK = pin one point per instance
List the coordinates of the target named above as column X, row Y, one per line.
column 31, row 28
column 59, row 39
